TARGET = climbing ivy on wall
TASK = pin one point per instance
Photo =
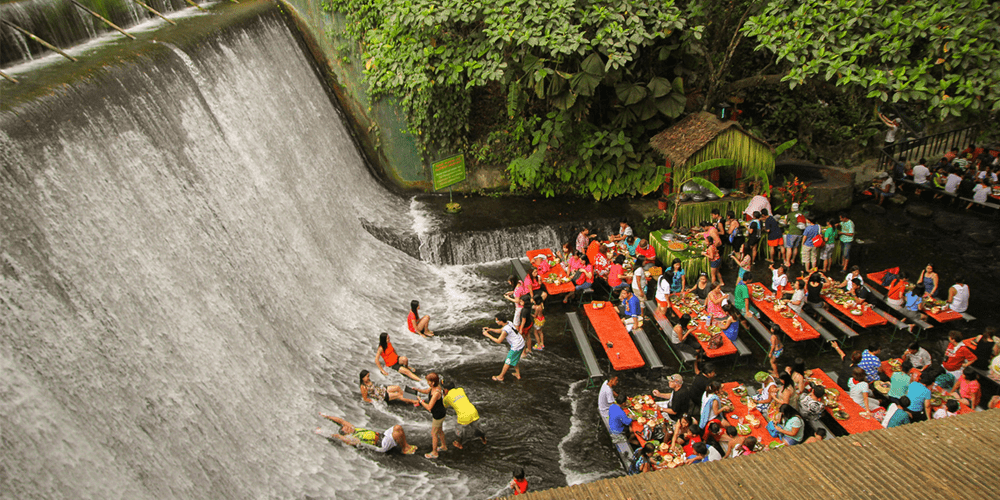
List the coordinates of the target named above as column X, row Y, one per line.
column 588, row 82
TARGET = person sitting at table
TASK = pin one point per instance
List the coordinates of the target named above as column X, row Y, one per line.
column 786, row 395
column 618, row 421
column 730, row 440
column 747, row 447
column 791, row 427
column 919, row 394
column 564, row 255
column 713, row 302
column 948, row 409
column 710, row 404
column 647, row 252
column 678, row 398
column 811, row 405
column 630, row 309
column 944, row 381
column 640, row 460
column 820, row 435
column 987, row 347
column 814, row 288
column 930, row 280
column 896, row 291
column 860, row 391
column 687, row 435
column 900, row 381
column 584, row 279
column 779, row 280
column 798, row 372
column 917, row 356
column 701, row 287
column 897, row 414
column 870, row 362
column 767, row 392
column 860, row 292
column 847, row 364
column 968, row 388
column 714, row 434
column 631, row 243
column 624, row 231
column 699, row 454
column 958, row 296
column 684, row 327
column 957, row 356
column 730, row 323
column 915, row 303
column 616, row 275
column 537, row 290
column 798, row 296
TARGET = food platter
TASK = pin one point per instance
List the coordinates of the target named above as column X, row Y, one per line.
column 740, row 390
column 676, row 246
column 744, row 429
column 841, row 415
column 857, row 312
column 787, row 313
column 882, row 387
column 895, row 364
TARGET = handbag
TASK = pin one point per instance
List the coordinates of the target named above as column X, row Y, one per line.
column 818, row 241
column 715, row 342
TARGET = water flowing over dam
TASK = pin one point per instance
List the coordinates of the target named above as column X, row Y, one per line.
column 186, row 281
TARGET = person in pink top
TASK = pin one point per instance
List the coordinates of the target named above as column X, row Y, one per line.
column 969, row 390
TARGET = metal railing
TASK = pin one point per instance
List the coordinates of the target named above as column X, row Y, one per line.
column 932, row 147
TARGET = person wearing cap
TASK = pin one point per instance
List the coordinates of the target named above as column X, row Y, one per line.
column 885, row 187
column 678, row 398
column 793, row 235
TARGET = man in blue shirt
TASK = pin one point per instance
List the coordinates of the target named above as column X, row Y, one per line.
column 618, row 421
column 919, row 394
column 631, row 308
column 810, row 253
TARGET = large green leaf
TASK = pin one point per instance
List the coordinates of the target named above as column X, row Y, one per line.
column 712, row 164
column 564, row 101
column 584, row 83
column 631, row 93
column 659, row 87
column 593, row 65
column 672, row 105
column 781, row 149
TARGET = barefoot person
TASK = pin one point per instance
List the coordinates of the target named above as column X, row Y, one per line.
column 372, row 392
column 467, row 415
column 381, row 442
column 393, row 361
column 416, row 323
column 435, row 405
column 509, row 333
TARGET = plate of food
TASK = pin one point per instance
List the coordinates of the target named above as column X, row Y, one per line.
column 882, row 387
column 841, row 415
column 597, row 305
column 703, row 337
column 895, row 364
column 831, row 404
column 740, row 390
column 787, row 313
column 676, row 246
column 857, row 312
column 744, row 429
column 775, row 444
column 753, row 421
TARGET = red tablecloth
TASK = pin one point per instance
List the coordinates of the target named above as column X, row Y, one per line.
column 726, row 349
column 787, row 325
column 944, row 316
column 741, row 410
column 556, row 269
column 868, row 317
column 855, row 423
column 609, row 327
column 877, row 277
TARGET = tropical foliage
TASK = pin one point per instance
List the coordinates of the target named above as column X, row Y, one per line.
column 792, row 191
column 943, row 55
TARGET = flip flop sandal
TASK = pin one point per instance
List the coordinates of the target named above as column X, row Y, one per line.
column 431, row 456
column 411, row 449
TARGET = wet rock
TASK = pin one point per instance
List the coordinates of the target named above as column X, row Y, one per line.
column 899, row 220
column 983, row 238
column 925, row 234
column 919, row 210
column 949, row 223
column 873, row 209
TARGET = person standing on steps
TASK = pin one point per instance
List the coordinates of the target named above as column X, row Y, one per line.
column 381, row 442
column 509, row 333
column 416, row 323
column 387, row 353
column 435, row 405
column 466, row 415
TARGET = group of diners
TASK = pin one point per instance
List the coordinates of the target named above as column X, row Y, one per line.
column 970, row 174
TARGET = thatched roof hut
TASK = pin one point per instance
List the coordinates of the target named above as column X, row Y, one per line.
column 702, row 136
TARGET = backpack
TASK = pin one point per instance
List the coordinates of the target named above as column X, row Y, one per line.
column 818, row 241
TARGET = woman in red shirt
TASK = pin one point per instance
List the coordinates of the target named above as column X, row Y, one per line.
column 419, row 326
column 387, row 353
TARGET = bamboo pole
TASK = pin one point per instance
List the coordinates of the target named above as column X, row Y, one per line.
column 7, row 77
column 193, row 4
column 154, row 11
column 39, row 40
column 109, row 23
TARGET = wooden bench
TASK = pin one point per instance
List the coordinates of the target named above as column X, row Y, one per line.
column 986, row 204
column 921, row 324
column 761, row 330
column 823, row 332
column 848, row 332
column 575, row 327
column 930, row 188
column 684, row 354
column 646, row 348
column 621, row 445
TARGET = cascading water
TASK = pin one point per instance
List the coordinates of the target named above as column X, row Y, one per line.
column 186, row 283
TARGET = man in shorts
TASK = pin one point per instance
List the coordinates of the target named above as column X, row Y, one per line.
column 381, row 442
column 793, row 235
column 774, row 234
column 507, row 332
column 846, row 238
column 467, row 415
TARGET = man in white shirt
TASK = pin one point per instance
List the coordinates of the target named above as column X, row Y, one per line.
column 918, row 356
column 624, row 231
column 606, row 397
column 886, row 188
column 951, row 185
column 920, row 174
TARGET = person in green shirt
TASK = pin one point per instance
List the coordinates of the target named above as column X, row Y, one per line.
column 846, row 238
column 826, row 254
column 467, row 415
column 796, row 224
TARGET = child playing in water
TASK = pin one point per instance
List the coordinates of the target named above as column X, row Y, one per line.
column 518, row 484
column 538, row 310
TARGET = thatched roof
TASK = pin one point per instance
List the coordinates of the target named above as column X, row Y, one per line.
column 693, row 133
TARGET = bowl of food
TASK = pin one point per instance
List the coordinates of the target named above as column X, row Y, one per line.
column 676, row 246
column 841, row 415
column 740, row 390
column 744, row 429
column 787, row 313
